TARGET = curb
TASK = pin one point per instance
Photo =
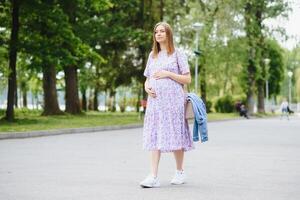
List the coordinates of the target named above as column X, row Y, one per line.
column 41, row 133
column 20, row 135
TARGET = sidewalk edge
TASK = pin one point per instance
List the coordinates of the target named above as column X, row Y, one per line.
column 20, row 135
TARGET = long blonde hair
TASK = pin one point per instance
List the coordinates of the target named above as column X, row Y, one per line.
column 170, row 44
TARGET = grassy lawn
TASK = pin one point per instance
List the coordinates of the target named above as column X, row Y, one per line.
column 29, row 120
column 222, row 116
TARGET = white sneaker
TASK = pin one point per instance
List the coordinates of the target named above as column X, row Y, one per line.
column 150, row 182
column 179, row 178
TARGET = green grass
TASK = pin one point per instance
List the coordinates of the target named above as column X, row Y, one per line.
column 222, row 116
column 261, row 115
column 29, row 120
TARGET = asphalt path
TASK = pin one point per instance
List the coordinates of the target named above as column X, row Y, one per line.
column 243, row 160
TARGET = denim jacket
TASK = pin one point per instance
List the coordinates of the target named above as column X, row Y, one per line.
column 200, row 123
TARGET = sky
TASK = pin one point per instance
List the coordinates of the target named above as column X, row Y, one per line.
column 291, row 25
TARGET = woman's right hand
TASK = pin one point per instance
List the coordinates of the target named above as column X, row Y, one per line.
column 150, row 91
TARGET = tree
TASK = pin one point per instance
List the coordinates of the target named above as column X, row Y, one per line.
column 4, row 39
column 80, row 15
column 12, row 77
column 120, row 39
column 211, row 13
column 276, row 69
column 45, row 28
column 255, row 11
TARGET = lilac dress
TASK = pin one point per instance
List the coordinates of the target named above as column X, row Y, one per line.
column 165, row 127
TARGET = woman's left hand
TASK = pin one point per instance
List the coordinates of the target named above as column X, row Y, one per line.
column 161, row 74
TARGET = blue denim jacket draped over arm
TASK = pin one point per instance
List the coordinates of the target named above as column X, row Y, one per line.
column 200, row 123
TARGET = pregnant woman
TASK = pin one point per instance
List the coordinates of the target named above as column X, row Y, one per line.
column 165, row 128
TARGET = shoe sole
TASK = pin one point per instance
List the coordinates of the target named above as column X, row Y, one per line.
column 146, row 186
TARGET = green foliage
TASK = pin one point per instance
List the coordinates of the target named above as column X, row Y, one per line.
column 3, row 67
column 225, row 104
column 276, row 67
column 45, row 28
column 123, row 104
column 109, row 41
column 208, row 106
column 4, row 35
column 240, row 98
column 255, row 12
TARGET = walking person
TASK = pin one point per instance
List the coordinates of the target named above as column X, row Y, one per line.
column 284, row 109
column 165, row 127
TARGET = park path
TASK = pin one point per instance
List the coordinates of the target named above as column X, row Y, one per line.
column 257, row 159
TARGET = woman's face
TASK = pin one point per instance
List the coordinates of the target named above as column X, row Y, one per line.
column 160, row 34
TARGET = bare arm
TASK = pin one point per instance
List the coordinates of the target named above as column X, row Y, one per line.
column 180, row 78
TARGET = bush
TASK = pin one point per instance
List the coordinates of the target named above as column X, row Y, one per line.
column 225, row 104
column 241, row 98
column 122, row 104
column 208, row 106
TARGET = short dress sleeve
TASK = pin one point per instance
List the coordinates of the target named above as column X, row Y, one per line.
column 183, row 64
column 147, row 71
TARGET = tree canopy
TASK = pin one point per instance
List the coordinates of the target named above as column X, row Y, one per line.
column 97, row 46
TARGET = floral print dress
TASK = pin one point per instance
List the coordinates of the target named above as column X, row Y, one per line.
column 165, row 127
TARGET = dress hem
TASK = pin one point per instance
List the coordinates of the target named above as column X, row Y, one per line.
column 170, row 150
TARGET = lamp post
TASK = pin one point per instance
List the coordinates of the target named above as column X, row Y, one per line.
column 197, row 26
column 267, row 61
column 290, row 74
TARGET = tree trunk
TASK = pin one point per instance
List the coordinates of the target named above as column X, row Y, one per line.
column 260, row 56
column 251, row 67
column 251, row 86
column 83, row 101
column 97, row 89
column 161, row 10
column 260, row 97
column 250, row 101
column 112, row 101
column 24, row 94
column 72, row 97
column 16, row 95
column 90, row 101
column 50, row 95
column 12, row 77
column 105, row 101
column 144, row 60
column 203, row 80
column 96, row 104
column 138, row 101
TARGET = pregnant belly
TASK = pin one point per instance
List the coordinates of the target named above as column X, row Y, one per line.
column 165, row 86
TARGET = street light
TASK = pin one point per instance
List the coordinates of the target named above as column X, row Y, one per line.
column 267, row 61
column 290, row 74
column 197, row 26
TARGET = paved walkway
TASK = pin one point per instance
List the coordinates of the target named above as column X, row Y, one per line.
column 256, row 159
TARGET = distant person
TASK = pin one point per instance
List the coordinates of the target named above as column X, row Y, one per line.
column 241, row 109
column 284, row 109
column 238, row 106
column 244, row 111
column 289, row 110
column 165, row 127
